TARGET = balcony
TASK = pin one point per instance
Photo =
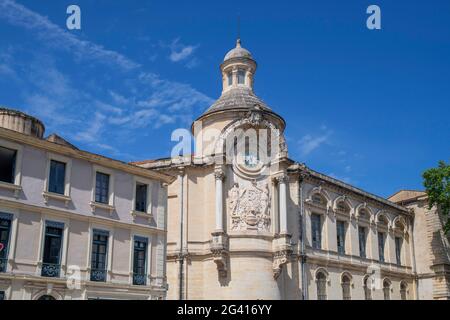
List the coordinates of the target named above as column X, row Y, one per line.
column 98, row 275
column 50, row 270
column 139, row 279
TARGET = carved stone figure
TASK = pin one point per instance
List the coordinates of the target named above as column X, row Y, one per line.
column 249, row 207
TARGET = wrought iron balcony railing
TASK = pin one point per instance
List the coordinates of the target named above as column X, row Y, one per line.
column 3, row 264
column 139, row 279
column 50, row 270
column 98, row 275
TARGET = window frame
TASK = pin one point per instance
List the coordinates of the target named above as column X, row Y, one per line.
column 110, row 230
column 111, row 200
column 67, row 177
column 319, row 216
column 344, row 224
column 398, row 249
column 148, row 252
column 9, row 229
column 148, row 214
column 321, row 284
column 56, row 225
column 104, row 233
column 382, row 252
column 387, row 289
column 229, row 78
column 16, row 185
column 367, row 289
column 362, row 251
column 243, row 72
column 346, row 287
column 65, row 241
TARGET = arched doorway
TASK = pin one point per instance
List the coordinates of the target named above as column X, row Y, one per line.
column 46, row 297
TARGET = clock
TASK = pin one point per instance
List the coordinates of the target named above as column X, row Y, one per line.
column 251, row 161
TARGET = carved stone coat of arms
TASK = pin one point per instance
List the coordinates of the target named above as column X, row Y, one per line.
column 249, row 207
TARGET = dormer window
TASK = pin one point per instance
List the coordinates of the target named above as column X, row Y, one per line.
column 241, row 76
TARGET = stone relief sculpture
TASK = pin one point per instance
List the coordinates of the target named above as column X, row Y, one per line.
column 249, row 207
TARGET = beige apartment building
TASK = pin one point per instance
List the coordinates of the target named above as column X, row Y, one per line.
column 240, row 227
column 76, row 225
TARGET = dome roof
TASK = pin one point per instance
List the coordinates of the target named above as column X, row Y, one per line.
column 238, row 98
column 238, row 52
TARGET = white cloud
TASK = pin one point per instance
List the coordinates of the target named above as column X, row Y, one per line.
column 309, row 143
column 91, row 133
column 179, row 51
column 55, row 36
column 76, row 109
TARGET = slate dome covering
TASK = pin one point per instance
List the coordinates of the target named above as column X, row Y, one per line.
column 238, row 52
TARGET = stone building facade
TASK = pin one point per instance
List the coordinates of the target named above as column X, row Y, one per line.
column 246, row 226
column 76, row 225
column 432, row 246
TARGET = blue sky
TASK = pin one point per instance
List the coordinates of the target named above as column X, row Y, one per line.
column 369, row 107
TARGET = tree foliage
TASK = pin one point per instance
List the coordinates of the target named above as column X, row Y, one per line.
column 437, row 185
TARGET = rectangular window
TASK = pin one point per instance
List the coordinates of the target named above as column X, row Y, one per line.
column 241, row 77
column 51, row 263
column 141, row 197
column 362, row 241
column 99, row 255
column 2, row 295
column 316, row 227
column 398, row 250
column 140, row 261
column 7, row 165
column 57, row 177
column 5, row 233
column 102, row 188
column 340, row 230
column 230, row 78
column 381, row 246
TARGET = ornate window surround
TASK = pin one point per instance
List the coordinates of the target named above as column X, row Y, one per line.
column 347, row 275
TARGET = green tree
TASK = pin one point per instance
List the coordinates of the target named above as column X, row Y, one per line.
column 437, row 186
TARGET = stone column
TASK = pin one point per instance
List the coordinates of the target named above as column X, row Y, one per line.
column 282, row 181
column 219, row 177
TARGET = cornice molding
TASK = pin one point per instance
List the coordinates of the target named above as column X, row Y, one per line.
column 83, row 155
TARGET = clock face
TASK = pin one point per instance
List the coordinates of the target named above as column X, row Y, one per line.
column 251, row 160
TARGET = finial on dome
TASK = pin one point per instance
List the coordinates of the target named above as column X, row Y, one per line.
column 238, row 43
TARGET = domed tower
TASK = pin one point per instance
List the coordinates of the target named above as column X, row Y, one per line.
column 227, row 230
column 21, row 122
column 237, row 102
column 240, row 144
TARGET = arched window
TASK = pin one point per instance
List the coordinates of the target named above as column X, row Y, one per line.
column 46, row 297
column 321, row 280
column 387, row 289
column 367, row 288
column 346, row 291
column 318, row 200
column 342, row 207
column 403, row 291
